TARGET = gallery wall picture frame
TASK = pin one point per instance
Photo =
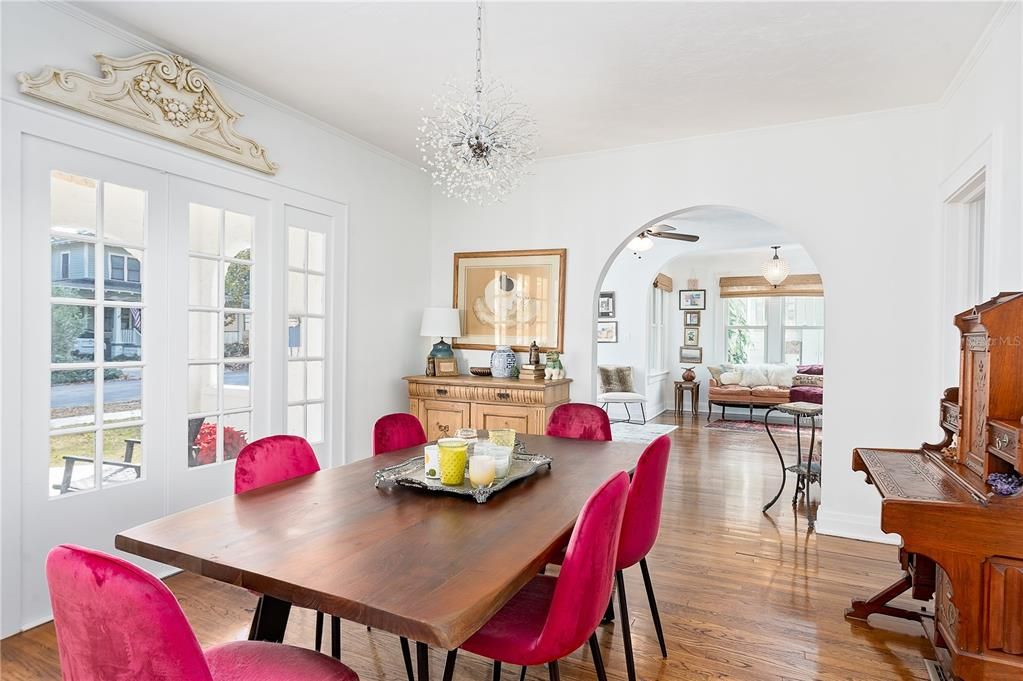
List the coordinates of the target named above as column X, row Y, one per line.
column 607, row 332
column 510, row 298
column 690, row 355
column 606, row 305
column 691, row 336
column 691, row 318
column 692, row 299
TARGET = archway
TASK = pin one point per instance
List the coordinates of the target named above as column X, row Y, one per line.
column 733, row 242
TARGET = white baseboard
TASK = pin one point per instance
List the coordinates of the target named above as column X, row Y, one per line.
column 850, row 526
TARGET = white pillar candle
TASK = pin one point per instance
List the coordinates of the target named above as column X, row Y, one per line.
column 482, row 470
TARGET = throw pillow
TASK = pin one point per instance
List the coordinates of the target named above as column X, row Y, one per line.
column 753, row 377
column 812, row 369
column 730, row 378
column 808, row 380
column 615, row 379
column 781, row 375
column 716, row 371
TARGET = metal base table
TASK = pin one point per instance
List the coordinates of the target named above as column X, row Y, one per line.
column 806, row 473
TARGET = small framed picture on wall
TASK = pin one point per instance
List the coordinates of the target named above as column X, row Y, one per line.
column 692, row 318
column 690, row 355
column 692, row 299
column 607, row 332
column 691, row 336
column 606, row 305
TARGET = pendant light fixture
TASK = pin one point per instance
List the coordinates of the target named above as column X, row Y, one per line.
column 776, row 270
column 479, row 143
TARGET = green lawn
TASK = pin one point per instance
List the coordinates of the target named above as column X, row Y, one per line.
column 81, row 444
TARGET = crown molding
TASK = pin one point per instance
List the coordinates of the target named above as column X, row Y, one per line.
column 978, row 50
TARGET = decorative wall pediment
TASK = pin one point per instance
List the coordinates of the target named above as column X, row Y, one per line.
column 155, row 93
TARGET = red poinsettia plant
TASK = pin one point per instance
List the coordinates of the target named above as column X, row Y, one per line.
column 206, row 443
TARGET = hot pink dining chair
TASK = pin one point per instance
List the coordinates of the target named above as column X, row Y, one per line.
column 552, row 616
column 115, row 622
column 639, row 533
column 579, row 421
column 397, row 431
column 271, row 460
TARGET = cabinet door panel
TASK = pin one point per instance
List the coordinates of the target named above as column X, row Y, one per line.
column 443, row 419
column 491, row 416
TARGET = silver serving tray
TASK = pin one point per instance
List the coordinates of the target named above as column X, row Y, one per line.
column 412, row 473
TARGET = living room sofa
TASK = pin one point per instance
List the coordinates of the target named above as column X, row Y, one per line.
column 763, row 386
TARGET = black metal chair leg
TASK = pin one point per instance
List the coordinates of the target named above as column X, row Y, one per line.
column 642, row 412
column 423, row 661
column 623, row 614
column 609, row 614
column 653, row 606
column 497, row 670
column 522, row 675
column 319, row 631
column 554, row 671
column 449, row 665
column 598, row 659
column 628, row 414
column 406, row 654
column 335, row 637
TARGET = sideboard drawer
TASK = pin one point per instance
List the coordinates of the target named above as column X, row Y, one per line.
column 950, row 416
column 459, row 393
column 1003, row 441
column 518, row 418
column 508, row 396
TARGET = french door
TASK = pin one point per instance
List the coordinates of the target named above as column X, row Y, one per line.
column 94, row 291
column 154, row 341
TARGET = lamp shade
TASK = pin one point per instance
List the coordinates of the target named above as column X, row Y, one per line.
column 441, row 322
column 775, row 270
column 640, row 243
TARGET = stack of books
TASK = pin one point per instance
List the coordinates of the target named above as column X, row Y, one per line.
column 531, row 372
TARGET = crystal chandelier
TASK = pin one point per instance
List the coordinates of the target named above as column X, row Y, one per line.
column 776, row 269
column 479, row 143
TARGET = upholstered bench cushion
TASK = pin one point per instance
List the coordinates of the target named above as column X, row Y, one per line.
column 621, row 397
column 807, row 393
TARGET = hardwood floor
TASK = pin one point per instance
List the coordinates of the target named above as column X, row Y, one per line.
column 742, row 595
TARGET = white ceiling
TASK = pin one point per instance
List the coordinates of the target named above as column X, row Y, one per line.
column 721, row 229
column 595, row 75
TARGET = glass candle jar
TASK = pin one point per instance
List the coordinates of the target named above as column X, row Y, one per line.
column 431, row 457
column 482, row 470
column 504, row 437
column 453, row 455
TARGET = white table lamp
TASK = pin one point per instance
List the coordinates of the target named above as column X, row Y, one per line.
column 443, row 322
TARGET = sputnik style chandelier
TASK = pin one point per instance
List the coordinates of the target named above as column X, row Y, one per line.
column 478, row 144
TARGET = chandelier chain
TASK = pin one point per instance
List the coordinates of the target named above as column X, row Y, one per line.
column 479, row 47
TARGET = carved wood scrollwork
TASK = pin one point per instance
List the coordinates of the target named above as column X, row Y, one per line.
column 159, row 94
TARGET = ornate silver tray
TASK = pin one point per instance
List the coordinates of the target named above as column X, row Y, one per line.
column 412, row 473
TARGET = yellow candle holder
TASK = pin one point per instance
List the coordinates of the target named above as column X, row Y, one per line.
column 502, row 437
column 453, row 457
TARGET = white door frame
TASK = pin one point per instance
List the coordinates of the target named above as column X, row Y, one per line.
column 26, row 120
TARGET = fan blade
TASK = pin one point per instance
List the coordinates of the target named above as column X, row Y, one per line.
column 676, row 237
column 660, row 229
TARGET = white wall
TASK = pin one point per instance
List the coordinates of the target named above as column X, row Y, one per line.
column 861, row 184
column 387, row 209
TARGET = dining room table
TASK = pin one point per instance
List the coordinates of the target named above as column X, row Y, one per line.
column 428, row 566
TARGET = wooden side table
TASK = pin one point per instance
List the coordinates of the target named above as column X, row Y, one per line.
column 693, row 388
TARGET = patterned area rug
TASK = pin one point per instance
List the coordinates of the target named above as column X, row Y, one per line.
column 633, row 432
column 758, row 427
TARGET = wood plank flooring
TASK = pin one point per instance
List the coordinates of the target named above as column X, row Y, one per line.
column 742, row 595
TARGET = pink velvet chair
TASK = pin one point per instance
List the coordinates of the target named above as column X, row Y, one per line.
column 397, row 431
column 579, row 421
column 639, row 532
column 117, row 622
column 552, row 616
column 270, row 460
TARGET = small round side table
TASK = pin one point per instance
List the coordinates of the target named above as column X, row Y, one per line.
column 693, row 388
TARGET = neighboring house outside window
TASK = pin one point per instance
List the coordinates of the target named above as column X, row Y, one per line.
column 65, row 265
column 117, row 267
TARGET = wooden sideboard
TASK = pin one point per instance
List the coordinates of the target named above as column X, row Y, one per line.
column 443, row 404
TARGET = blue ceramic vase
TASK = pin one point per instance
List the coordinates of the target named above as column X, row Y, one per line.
column 502, row 362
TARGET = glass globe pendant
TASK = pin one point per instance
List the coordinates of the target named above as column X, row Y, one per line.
column 776, row 270
column 479, row 143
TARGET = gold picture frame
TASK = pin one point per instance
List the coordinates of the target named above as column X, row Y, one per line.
column 510, row 298
column 691, row 336
column 445, row 366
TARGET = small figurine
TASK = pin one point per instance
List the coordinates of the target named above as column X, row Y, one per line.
column 554, row 369
column 534, row 354
column 431, row 367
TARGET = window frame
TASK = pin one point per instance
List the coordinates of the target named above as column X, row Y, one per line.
column 774, row 328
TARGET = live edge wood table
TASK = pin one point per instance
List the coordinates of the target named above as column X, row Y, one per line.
column 432, row 568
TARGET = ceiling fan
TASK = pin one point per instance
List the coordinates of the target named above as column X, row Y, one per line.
column 642, row 241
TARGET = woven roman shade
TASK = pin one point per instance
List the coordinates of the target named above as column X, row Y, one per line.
column 663, row 282
column 794, row 285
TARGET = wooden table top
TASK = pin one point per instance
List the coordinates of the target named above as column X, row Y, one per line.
column 433, row 568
